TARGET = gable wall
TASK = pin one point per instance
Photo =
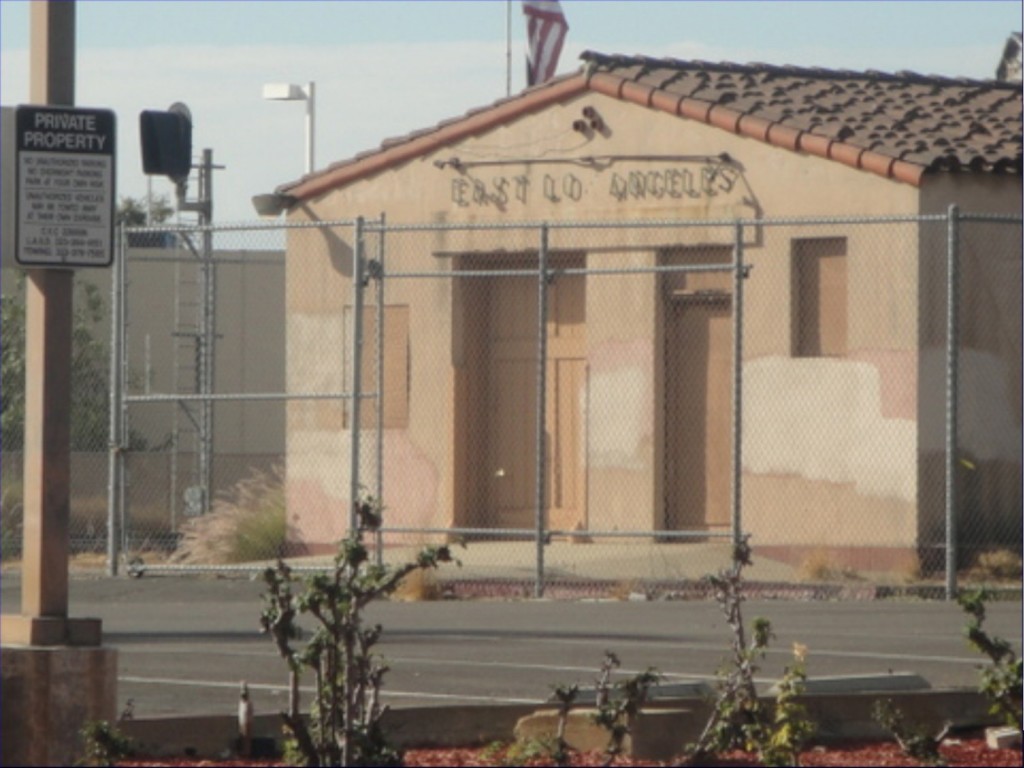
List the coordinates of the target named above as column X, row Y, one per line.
column 868, row 480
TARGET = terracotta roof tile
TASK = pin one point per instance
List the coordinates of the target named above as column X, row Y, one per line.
column 898, row 125
column 926, row 120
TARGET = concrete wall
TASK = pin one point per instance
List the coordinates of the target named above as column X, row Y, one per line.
column 249, row 349
column 250, row 357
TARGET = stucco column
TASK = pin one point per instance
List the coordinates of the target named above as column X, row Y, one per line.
column 48, row 325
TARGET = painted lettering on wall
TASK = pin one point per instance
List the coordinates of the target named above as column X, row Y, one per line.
column 674, row 183
column 501, row 191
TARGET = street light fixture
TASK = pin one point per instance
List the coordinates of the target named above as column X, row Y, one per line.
column 292, row 92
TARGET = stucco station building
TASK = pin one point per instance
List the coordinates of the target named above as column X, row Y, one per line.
column 844, row 333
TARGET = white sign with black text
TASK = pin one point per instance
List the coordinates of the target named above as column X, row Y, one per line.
column 65, row 187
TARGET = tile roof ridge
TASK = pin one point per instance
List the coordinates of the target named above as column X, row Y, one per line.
column 734, row 121
column 596, row 59
column 647, row 81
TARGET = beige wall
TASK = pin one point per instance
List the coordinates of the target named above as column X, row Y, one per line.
column 990, row 339
column 621, row 434
column 249, row 346
column 831, row 445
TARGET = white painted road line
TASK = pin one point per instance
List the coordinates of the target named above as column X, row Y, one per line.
column 385, row 693
column 777, row 651
column 812, row 653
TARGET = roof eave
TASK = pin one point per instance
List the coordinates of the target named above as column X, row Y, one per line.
column 346, row 172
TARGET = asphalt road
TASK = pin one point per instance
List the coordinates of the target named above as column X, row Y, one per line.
column 184, row 643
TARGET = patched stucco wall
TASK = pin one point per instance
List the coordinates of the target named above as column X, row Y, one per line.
column 832, row 446
column 620, row 456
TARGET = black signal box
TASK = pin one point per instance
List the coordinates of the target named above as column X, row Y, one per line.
column 166, row 139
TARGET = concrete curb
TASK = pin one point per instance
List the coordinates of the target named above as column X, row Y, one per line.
column 209, row 736
column 839, row 716
column 699, row 589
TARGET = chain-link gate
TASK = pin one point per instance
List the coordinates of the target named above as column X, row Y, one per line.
column 197, row 474
column 548, row 451
column 566, row 398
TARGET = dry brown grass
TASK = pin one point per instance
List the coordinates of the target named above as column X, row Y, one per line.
column 418, row 586
column 821, row 565
column 910, row 570
column 996, row 565
column 621, row 590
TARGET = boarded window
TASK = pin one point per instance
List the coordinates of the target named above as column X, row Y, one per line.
column 394, row 361
column 819, row 297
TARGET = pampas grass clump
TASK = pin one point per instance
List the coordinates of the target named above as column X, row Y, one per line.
column 244, row 525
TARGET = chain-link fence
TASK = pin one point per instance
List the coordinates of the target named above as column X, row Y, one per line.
column 89, row 413
column 840, row 444
column 566, row 398
column 200, row 386
column 983, row 376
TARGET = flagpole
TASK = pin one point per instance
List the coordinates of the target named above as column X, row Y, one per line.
column 508, row 47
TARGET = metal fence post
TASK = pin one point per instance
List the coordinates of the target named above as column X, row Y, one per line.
column 378, row 273
column 123, row 510
column 952, row 377
column 541, row 410
column 115, row 445
column 207, row 328
column 739, row 274
column 356, row 389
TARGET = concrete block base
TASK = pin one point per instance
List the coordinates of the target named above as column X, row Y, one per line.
column 49, row 693
column 1003, row 738
column 208, row 736
column 656, row 734
column 655, row 737
column 49, row 630
column 893, row 681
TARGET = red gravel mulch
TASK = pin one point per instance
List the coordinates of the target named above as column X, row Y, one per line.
column 965, row 751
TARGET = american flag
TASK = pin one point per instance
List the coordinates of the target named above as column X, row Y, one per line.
column 546, row 28
column 1009, row 69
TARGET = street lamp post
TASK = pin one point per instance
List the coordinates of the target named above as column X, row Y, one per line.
column 292, row 92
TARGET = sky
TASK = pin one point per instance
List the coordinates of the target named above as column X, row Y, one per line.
column 385, row 68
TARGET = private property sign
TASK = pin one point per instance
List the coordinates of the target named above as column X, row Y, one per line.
column 65, row 187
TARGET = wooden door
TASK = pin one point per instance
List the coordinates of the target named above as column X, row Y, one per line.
column 511, row 403
column 698, row 411
column 566, row 384
column 511, row 444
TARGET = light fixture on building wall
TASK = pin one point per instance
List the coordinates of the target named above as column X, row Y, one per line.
column 272, row 204
column 292, row 92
